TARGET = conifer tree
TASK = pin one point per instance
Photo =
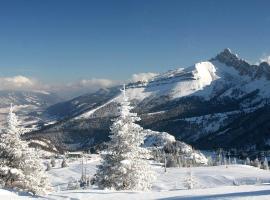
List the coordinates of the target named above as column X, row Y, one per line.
column 20, row 166
column 257, row 163
column 64, row 163
column 53, row 162
column 265, row 164
column 124, row 165
column 248, row 161
column 189, row 181
column 210, row 161
column 48, row 166
column 234, row 161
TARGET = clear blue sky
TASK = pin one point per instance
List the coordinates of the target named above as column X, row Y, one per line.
column 57, row 41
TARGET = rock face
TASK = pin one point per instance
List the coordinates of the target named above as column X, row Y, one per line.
column 243, row 67
column 211, row 104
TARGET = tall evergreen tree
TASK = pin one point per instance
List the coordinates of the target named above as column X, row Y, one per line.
column 257, row 163
column 20, row 166
column 248, row 161
column 124, row 165
column 265, row 164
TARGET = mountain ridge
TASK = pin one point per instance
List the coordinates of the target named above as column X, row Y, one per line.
column 190, row 103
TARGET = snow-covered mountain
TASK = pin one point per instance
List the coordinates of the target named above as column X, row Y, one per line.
column 200, row 104
column 29, row 105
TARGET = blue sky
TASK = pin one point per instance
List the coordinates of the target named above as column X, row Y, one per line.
column 61, row 41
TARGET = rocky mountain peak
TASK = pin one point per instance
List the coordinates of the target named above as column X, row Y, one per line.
column 265, row 65
column 226, row 56
column 242, row 66
column 264, row 70
column 232, row 60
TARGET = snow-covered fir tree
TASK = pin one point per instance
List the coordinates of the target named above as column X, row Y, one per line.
column 229, row 160
column 225, row 162
column 265, row 164
column 219, row 158
column 234, row 162
column 257, row 163
column 248, row 161
column 48, row 166
column 64, row 163
column 53, row 162
column 209, row 161
column 124, row 165
column 189, row 181
column 20, row 166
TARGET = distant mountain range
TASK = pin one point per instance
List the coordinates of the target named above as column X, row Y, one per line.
column 29, row 106
column 219, row 103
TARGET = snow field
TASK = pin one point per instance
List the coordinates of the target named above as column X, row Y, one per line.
column 217, row 182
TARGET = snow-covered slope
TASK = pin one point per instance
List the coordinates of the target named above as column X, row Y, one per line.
column 8, row 195
column 210, row 183
column 245, row 192
column 157, row 139
column 160, row 140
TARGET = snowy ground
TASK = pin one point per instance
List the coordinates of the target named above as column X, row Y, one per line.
column 221, row 182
